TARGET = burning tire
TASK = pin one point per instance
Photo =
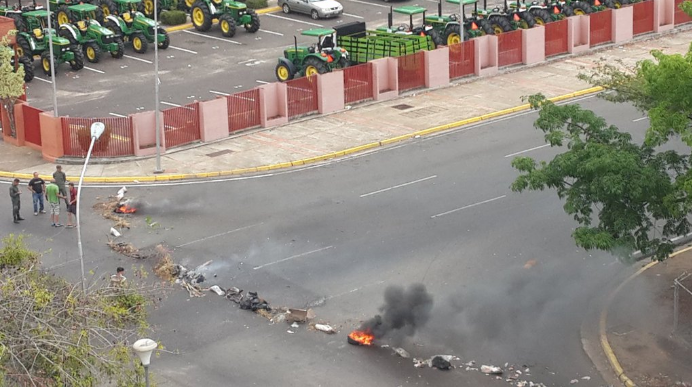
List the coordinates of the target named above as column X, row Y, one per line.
column 360, row 338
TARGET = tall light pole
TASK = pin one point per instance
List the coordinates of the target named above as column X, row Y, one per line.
column 144, row 348
column 156, row 88
column 52, row 62
column 97, row 129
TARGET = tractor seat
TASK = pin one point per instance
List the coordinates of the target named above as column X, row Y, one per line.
column 82, row 25
column 127, row 17
column 38, row 33
column 328, row 42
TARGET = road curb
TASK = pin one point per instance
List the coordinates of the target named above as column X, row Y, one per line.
column 603, row 338
column 311, row 160
column 189, row 25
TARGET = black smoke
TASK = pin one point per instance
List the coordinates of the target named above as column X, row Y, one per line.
column 403, row 313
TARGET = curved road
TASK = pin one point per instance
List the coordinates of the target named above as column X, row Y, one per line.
column 435, row 210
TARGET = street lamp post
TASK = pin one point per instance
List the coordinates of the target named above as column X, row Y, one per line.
column 97, row 129
column 156, row 88
column 52, row 62
column 144, row 349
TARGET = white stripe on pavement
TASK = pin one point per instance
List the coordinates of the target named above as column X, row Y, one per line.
column 640, row 119
column 292, row 257
column 356, row 16
column 94, row 70
column 366, row 3
column 294, row 20
column 139, row 59
column 182, row 49
column 527, row 150
column 212, row 37
column 469, row 206
column 44, row 80
column 218, row 92
column 117, row 115
column 398, row 186
column 272, row 32
column 171, row 104
column 262, row 82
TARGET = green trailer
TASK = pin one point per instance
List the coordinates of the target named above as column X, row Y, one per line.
column 411, row 29
column 365, row 45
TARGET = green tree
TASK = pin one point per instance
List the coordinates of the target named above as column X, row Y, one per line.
column 11, row 82
column 625, row 196
column 51, row 334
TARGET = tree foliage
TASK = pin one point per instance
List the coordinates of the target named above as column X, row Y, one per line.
column 52, row 334
column 11, row 82
column 625, row 196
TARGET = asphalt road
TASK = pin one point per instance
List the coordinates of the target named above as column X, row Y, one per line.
column 196, row 66
column 436, row 211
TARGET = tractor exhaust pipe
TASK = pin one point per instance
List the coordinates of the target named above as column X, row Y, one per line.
column 439, row 8
column 295, row 43
column 390, row 18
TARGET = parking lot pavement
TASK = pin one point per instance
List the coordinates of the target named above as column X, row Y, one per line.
column 196, row 66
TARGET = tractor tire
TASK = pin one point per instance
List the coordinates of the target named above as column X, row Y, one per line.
column 65, row 33
column 581, row 8
column 147, row 8
column 166, row 40
column 121, row 49
column 254, row 24
column 108, row 7
column 485, row 26
column 467, row 36
column 62, row 16
column 139, row 42
column 283, row 73
column 343, row 63
column 185, row 5
column 541, row 16
column 526, row 21
column 200, row 15
column 227, row 25
column 24, row 48
column 18, row 22
column 620, row 3
column 78, row 62
column 453, row 34
column 436, row 38
column 567, row 10
column 499, row 24
column 28, row 68
column 115, row 28
column 313, row 66
column 46, row 62
column 92, row 52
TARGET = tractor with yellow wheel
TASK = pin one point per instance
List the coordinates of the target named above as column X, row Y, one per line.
column 230, row 14
column 455, row 28
column 84, row 30
column 319, row 58
column 136, row 28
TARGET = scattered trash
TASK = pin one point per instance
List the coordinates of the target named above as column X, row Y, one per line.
column 121, row 192
column 491, row 370
column 574, row 381
column 586, row 378
column 299, row 315
column 126, row 249
column 401, row 352
column 325, row 328
column 216, row 289
column 290, row 331
column 440, row 363
column 295, row 325
column 530, row 263
column 252, row 302
column 115, row 232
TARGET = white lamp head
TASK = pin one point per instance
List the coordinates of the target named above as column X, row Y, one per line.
column 97, row 129
column 144, row 347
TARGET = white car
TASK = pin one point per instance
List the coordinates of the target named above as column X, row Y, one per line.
column 315, row 8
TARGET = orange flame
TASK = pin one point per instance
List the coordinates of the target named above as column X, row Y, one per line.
column 125, row 209
column 362, row 337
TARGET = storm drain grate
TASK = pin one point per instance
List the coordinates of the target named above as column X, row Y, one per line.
column 219, row 153
column 422, row 112
column 403, row 106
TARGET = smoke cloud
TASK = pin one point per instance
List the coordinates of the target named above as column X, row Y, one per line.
column 403, row 313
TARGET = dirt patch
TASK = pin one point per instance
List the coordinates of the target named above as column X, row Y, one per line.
column 165, row 267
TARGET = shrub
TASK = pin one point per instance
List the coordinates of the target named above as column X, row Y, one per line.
column 256, row 4
column 173, row 18
column 14, row 253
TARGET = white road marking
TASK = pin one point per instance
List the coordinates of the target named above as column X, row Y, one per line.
column 292, row 257
column 272, row 32
column 469, row 206
column 366, row 3
column 355, row 290
column 398, row 186
column 182, row 49
column 294, row 20
column 212, row 37
column 117, row 115
column 527, row 150
column 218, row 92
column 262, row 82
column 246, row 61
column 44, row 80
column 218, row 235
column 171, row 104
column 94, row 70
column 640, row 119
column 356, row 16
column 139, row 59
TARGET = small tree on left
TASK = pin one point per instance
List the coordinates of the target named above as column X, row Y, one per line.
column 11, row 82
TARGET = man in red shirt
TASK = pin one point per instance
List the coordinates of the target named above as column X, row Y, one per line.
column 72, row 207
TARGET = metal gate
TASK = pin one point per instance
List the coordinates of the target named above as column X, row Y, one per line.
column 32, row 124
column 181, row 125
column 243, row 110
column 302, row 96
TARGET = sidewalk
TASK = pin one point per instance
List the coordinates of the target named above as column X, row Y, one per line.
column 365, row 126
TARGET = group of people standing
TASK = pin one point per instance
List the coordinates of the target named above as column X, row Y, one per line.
column 53, row 193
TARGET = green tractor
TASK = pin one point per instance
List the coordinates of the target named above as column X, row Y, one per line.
column 87, row 32
column 62, row 12
column 410, row 29
column 15, row 13
column 512, row 16
column 229, row 13
column 319, row 58
column 134, row 27
column 35, row 42
column 450, row 26
column 24, row 62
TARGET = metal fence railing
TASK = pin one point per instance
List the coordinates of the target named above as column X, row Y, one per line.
column 115, row 141
column 358, row 83
column 643, row 17
column 556, row 38
column 243, row 110
column 411, row 71
column 509, row 48
column 461, row 59
column 32, row 124
column 601, row 27
column 181, row 125
column 680, row 17
column 302, row 96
